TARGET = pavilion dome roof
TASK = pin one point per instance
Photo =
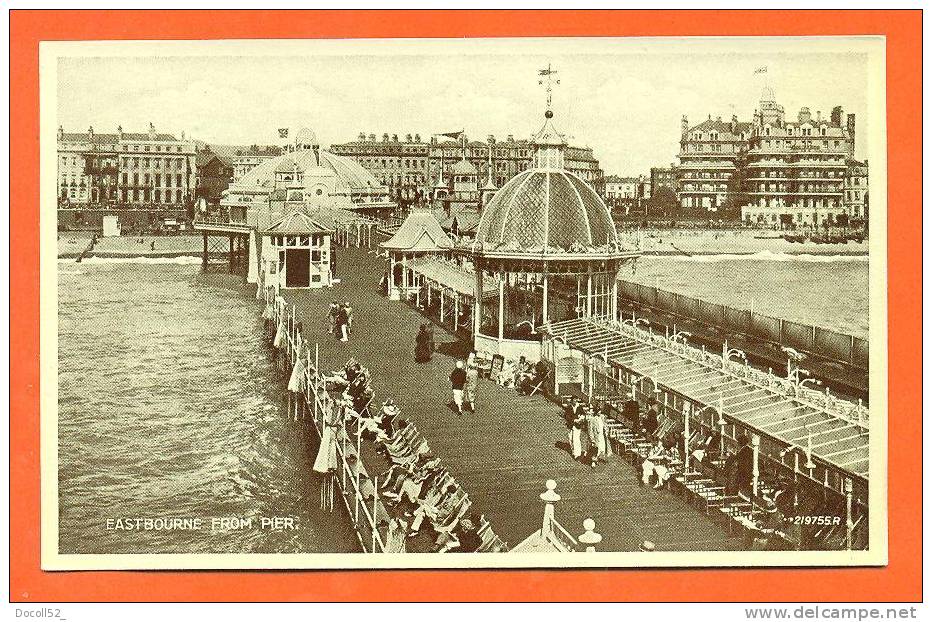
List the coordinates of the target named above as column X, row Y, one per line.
column 546, row 211
column 306, row 136
column 350, row 175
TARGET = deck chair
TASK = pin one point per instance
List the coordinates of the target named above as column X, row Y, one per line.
column 453, row 520
column 446, row 523
column 408, row 456
column 495, row 545
column 540, row 383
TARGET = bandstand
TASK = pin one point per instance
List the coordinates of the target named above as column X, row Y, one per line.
column 549, row 244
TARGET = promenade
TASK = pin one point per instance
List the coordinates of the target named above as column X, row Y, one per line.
column 503, row 454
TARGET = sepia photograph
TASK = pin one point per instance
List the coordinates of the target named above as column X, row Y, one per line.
column 416, row 303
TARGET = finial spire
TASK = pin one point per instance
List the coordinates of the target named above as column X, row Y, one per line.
column 548, row 79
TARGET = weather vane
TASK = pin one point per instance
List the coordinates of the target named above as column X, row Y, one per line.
column 548, row 75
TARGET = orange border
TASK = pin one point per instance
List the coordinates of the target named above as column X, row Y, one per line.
column 900, row 581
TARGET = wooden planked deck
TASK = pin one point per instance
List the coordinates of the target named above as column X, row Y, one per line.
column 503, row 454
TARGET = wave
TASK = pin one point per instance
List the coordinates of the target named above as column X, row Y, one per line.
column 767, row 255
column 185, row 260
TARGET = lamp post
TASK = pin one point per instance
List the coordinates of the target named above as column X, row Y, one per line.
column 728, row 353
column 679, row 336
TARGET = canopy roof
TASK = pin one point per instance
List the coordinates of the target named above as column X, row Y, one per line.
column 420, row 231
column 452, row 275
column 757, row 403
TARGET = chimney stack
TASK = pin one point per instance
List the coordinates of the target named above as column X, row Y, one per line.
column 371, row 138
column 120, row 132
column 407, row 138
column 361, row 137
column 151, row 131
column 61, row 132
column 394, row 138
column 836, row 116
column 90, row 132
column 417, row 138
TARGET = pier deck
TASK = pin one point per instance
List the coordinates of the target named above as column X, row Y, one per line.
column 503, row 454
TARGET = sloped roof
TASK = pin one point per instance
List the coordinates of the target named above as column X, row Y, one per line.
column 297, row 221
column 723, row 127
column 452, row 275
column 419, row 231
column 463, row 167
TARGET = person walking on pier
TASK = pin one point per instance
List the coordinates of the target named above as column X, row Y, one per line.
column 342, row 324
column 423, row 344
column 458, row 381
column 472, row 382
column 334, row 310
column 348, row 311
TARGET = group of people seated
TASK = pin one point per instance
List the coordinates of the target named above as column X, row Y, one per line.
column 425, row 498
column 419, row 492
column 354, row 383
column 522, row 375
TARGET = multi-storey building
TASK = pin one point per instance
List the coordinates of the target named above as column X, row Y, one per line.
column 411, row 167
column 247, row 158
column 125, row 169
column 778, row 172
column 710, row 154
column 400, row 165
column 855, row 199
column 663, row 177
column 795, row 170
column 623, row 194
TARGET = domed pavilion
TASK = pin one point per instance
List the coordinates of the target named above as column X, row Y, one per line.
column 548, row 242
column 308, row 175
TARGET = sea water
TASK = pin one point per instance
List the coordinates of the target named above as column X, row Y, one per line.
column 173, row 436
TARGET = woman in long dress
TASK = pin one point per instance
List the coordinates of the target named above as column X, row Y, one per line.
column 423, row 345
column 326, row 460
column 576, row 435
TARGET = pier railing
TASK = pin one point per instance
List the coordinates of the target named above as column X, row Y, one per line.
column 358, row 489
column 823, row 342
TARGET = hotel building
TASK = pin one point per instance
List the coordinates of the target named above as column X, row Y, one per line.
column 125, row 169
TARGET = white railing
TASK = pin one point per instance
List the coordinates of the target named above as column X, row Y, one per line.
column 316, row 401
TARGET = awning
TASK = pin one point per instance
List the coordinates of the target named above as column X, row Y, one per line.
column 837, row 439
column 451, row 275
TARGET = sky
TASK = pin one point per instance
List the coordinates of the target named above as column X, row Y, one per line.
column 624, row 99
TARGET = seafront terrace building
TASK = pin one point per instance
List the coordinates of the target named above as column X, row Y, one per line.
column 710, row 155
column 856, row 198
column 410, row 166
column 795, row 170
column 126, row 169
column 779, row 172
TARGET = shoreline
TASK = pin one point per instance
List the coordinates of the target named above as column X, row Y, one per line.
column 826, row 252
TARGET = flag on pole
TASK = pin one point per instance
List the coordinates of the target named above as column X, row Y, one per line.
column 761, row 69
column 453, row 135
column 283, row 132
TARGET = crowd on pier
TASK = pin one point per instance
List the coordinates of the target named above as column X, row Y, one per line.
column 423, row 498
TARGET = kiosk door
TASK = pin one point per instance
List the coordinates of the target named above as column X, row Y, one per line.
column 297, row 267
